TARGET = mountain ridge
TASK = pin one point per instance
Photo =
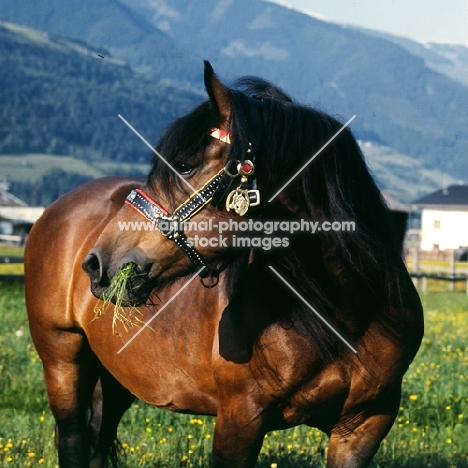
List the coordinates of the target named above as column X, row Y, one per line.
column 450, row 60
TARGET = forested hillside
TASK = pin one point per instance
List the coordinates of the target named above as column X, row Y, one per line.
column 121, row 30
column 61, row 97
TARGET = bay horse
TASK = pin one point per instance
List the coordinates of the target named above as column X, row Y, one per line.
column 314, row 329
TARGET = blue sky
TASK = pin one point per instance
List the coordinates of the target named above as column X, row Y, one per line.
column 421, row 20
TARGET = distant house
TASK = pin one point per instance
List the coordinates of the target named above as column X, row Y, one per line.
column 444, row 218
column 16, row 217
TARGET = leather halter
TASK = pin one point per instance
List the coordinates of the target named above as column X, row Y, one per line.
column 172, row 226
column 218, row 191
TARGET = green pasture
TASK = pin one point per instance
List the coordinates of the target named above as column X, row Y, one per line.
column 431, row 429
column 32, row 167
column 11, row 251
column 11, row 268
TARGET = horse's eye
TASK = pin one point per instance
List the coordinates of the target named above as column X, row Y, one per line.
column 183, row 168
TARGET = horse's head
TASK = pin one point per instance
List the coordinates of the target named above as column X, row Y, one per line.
column 169, row 227
column 211, row 168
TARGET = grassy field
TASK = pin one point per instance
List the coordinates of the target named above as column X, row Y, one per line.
column 13, row 268
column 33, row 166
column 431, row 429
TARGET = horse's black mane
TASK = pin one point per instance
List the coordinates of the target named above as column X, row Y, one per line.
column 356, row 271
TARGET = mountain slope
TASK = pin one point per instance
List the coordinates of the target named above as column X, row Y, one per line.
column 61, row 97
column 398, row 100
column 401, row 176
column 109, row 24
column 448, row 59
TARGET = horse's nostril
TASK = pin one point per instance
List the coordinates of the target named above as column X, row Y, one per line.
column 93, row 267
column 91, row 263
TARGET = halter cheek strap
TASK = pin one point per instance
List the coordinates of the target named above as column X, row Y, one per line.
column 219, row 190
column 237, row 189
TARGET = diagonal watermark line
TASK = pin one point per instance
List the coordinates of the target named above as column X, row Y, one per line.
column 314, row 311
column 312, row 158
column 160, row 156
column 160, row 310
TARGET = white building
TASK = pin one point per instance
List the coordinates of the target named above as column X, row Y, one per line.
column 16, row 217
column 444, row 218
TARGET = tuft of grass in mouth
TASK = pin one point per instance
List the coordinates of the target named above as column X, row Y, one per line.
column 127, row 316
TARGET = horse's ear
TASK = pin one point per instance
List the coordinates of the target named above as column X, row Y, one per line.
column 218, row 93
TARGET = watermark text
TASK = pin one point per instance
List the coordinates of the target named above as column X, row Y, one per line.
column 247, row 233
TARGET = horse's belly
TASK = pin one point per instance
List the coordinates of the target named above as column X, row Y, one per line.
column 162, row 367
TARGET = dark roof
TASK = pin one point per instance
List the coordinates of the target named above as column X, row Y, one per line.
column 455, row 195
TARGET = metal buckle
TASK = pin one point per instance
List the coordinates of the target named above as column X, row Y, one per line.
column 169, row 227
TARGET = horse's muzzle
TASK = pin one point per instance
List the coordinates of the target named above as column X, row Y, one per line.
column 138, row 287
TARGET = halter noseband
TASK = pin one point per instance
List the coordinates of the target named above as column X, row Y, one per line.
column 219, row 191
column 172, row 226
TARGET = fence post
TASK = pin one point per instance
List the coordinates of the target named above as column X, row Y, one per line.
column 416, row 264
column 452, row 270
column 467, row 277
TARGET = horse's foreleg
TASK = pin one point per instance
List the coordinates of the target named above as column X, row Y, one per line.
column 355, row 449
column 71, row 372
column 87, row 419
column 239, row 434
